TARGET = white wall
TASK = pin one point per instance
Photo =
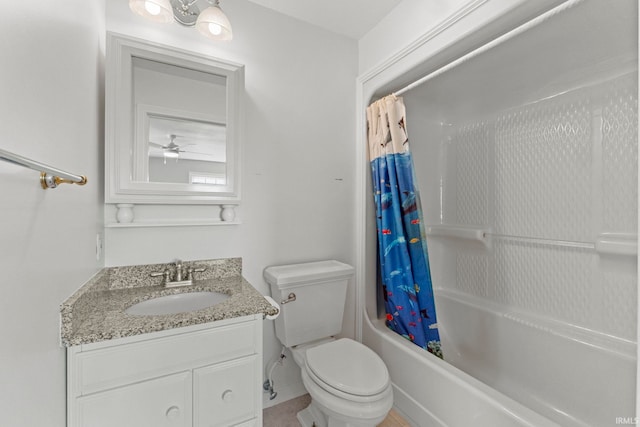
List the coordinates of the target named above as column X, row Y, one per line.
column 407, row 22
column 417, row 30
column 50, row 110
column 297, row 189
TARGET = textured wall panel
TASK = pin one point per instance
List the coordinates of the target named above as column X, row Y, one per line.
column 620, row 296
column 548, row 280
column 543, row 171
column 547, row 178
column 472, row 274
column 472, row 154
column 620, row 157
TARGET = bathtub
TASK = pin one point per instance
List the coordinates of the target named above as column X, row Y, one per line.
column 526, row 156
column 429, row 392
column 490, row 379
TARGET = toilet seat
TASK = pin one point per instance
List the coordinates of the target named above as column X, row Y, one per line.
column 353, row 412
column 348, row 369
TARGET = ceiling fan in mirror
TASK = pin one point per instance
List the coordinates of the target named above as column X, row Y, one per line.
column 172, row 150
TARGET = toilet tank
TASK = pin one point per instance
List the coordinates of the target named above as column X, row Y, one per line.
column 320, row 290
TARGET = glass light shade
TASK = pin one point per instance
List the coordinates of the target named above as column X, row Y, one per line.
column 214, row 24
column 155, row 10
column 171, row 154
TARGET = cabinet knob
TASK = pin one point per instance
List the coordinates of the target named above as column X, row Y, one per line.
column 227, row 396
column 173, row 413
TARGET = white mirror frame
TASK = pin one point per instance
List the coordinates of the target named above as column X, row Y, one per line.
column 120, row 126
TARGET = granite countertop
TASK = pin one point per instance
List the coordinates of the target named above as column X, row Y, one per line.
column 96, row 312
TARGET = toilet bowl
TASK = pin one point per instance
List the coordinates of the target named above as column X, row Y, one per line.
column 348, row 383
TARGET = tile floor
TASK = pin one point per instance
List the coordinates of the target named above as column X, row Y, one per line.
column 284, row 414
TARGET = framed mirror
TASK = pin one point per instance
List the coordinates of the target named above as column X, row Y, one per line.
column 173, row 121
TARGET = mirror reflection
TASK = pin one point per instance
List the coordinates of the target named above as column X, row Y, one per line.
column 181, row 125
column 173, row 125
column 186, row 151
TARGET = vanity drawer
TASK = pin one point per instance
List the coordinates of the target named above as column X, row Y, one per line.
column 162, row 401
column 117, row 365
column 225, row 394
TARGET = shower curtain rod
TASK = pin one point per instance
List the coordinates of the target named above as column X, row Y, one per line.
column 495, row 42
column 50, row 177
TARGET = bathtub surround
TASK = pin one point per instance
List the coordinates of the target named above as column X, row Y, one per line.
column 549, row 179
column 527, row 163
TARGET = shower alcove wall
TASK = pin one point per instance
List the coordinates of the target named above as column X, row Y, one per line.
column 526, row 157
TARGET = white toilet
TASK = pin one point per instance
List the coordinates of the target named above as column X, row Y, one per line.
column 348, row 383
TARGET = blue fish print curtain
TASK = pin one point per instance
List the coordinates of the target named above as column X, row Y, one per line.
column 402, row 248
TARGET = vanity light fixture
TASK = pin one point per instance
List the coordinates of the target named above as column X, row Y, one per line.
column 211, row 22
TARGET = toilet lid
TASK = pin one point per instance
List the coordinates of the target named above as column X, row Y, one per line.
column 348, row 366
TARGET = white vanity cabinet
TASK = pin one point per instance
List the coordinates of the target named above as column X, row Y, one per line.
column 202, row 376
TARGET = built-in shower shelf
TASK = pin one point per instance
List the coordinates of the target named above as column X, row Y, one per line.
column 459, row 232
column 617, row 244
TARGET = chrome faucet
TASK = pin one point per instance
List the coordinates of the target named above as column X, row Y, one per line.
column 179, row 278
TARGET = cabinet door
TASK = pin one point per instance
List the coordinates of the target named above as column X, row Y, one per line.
column 161, row 402
column 225, row 393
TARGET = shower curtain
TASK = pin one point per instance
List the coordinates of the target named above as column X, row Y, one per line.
column 402, row 249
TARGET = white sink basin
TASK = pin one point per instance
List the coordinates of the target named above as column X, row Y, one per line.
column 179, row 303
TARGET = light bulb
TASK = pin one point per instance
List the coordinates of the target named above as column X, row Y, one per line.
column 152, row 8
column 214, row 24
column 155, row 10
column 215, row 29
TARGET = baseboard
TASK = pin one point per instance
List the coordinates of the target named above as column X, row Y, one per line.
column 286, row 392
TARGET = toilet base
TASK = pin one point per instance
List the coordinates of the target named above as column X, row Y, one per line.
column 311, row 416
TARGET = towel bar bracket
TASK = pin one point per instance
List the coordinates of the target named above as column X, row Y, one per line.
column 50, row 177
column 52, row 181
